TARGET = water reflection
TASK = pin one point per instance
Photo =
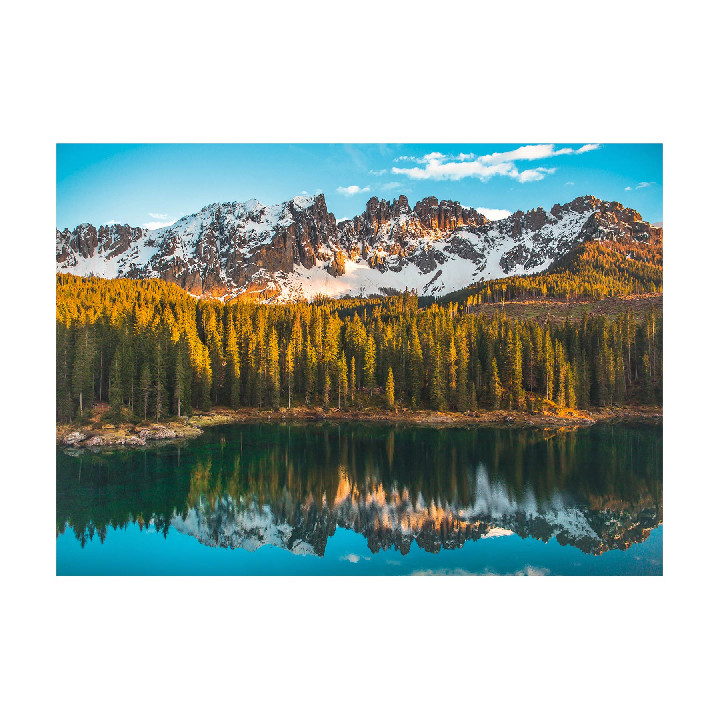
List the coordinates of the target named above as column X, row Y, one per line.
column 291, row 486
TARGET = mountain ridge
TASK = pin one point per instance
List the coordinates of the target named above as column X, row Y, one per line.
column 297, row 249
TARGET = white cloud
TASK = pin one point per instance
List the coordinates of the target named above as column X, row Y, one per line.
column 526, row 152
column 390, row 186
column 352, row 190
column 112, row 222
column 436, row 170
column 641, row 185
column 569, row 182
column 527, row 570
column 160, row 220
column 155, row 224
column 353, row 558
column 436, row 166
column 377, row 172
column 534, row 175
column 493, row 214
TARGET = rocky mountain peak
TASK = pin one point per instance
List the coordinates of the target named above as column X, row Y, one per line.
column 297, row 248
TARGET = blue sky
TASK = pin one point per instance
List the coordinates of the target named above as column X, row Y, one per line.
column 154, row 185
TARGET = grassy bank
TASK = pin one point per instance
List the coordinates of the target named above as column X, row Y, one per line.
column 95, row 433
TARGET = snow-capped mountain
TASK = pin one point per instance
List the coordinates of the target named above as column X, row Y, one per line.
column 297, row 249
column 390, row 518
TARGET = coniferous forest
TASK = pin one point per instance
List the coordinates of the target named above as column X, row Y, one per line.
column 150, row 350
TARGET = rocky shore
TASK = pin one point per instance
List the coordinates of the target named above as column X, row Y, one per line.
column 143, row 434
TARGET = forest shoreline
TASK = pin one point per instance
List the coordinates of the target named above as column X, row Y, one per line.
column 142, row 434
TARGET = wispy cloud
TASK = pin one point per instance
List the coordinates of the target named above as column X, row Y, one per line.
column 352, row 190
column 394, row 185
column 353, row 558
column 160, row 220
column 493, row 214
column 587, row 148
column 437, row 166
column 377, row 173
column 641, row 185
column 158, row 224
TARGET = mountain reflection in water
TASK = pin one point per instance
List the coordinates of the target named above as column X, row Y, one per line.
column 292, row 485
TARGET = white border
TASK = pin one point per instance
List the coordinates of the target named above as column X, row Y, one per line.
column 527, row 72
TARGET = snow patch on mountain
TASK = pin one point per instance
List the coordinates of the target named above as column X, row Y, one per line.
column 296, row 249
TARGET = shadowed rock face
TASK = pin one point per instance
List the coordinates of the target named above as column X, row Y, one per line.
column 438, row 246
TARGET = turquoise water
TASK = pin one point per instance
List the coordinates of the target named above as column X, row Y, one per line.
column 362, row 499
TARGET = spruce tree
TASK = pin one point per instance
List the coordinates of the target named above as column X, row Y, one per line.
column 115, row 387
column 353, row 379
column 496, row 389
column 369, row 364
column 274, row 370
column 145, row 387
column 390, row 389
column 82, row 374
column 342, row 379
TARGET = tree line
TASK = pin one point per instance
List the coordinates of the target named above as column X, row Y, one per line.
column 151, row 350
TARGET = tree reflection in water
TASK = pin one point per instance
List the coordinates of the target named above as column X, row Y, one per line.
column 291, row 485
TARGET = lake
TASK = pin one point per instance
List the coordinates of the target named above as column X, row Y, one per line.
column 366, row 499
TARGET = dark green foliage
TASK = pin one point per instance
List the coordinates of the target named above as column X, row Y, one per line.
column 153, row 350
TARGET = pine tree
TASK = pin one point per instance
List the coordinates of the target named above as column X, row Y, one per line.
column 438, row 396
column 353, row 379
column 570, row 388
column 560, row 373
column 289, row 369
column 452, row 372
column 82, row 375
column 115, row 389
column 342, row 379
column 145, row 387
column 462, row 401
column 646, row 379
column 232, row 353
column 547, row 361
column 274, row 370
column 496, row 389
column 63, row 346
column 390, row 389
column 369, row 364
column 181, row 387
column 416, row 366
column 310, row 372
column 205, row 379
column 160, row 391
